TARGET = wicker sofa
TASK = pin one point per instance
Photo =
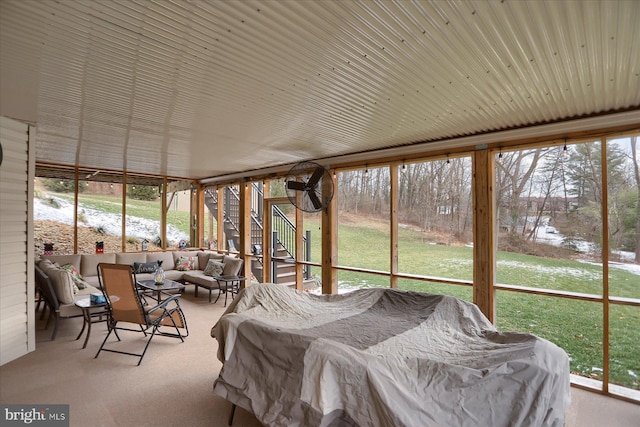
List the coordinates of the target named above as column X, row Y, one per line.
column 87, row 265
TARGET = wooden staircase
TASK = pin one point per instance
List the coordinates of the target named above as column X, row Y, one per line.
column 284, row 264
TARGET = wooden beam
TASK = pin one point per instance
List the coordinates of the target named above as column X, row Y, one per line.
column 245, row 231
column 299, row 245
column 605, row 265
column 484, row 226
column 330, row 243
column 220, row 219
column 164, row 208
column 124, row 214
column 193, row 215
column 210, row 229
column 199, row 231
column 393, row 219
column 266, row 237
column 76, row 199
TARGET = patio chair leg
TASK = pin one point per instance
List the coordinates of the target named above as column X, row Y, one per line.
column 44, row 310
column 46, row 325
column 105, row 339
column 233, row 411
column 155, row 329
column 55, row 329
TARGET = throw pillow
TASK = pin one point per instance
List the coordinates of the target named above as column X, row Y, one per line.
column 213, row 268
column 232, row 266
column 145, row 267
column 78, row 283
column 185, row 263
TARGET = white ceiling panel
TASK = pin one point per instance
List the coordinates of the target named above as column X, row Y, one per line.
column 206, row 88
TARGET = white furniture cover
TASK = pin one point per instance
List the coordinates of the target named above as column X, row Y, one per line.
column 383, row 357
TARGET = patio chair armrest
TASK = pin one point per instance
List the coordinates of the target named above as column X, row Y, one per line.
column 163, row 303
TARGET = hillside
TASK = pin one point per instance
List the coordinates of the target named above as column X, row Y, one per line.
column 61, row 235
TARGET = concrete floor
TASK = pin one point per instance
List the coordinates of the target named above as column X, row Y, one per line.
column 588, row 409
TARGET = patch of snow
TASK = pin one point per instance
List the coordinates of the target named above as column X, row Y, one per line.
column 554, row 271
column 110, row 223
column 549, row 235
column 631, row 268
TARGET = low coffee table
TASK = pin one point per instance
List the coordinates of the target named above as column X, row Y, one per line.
column 167, row 285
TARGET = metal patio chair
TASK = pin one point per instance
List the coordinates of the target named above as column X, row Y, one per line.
column 127, row 307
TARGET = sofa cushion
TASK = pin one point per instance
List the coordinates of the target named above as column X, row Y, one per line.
column 75, row 276
column 145, row 267
column 168, row 262
column 92, row 280
column 61, row 281
column 187, row 254
column 130, row 258
column 205, row 256
column 198, row 277
column 74, row 260
column 232, row 266
column 213, row 268
column 186, row 263
column 174, row 275
column 67, row 310
column 89, row 263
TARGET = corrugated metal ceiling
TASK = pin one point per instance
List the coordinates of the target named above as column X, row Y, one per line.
column 203, row 88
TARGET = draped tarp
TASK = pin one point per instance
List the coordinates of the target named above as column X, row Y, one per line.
column 383, row 357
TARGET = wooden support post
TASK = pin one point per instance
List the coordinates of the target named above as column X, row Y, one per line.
column 299, row 246
column 330, row 244
column 210, row 228
column 193, row 215
column 199, row 231
column 484, row 229
column 75, row 211
column 124, row 212
column 245, row 230
column 393, row 218
column 266, row 239
column 220, row 219
column 605, row 265
column 163, row 213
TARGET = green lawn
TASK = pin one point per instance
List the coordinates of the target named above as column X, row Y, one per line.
column 576, row 326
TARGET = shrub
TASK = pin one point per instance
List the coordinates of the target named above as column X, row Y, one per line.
column 142, row 192
column 63, row 185
column 53, row 203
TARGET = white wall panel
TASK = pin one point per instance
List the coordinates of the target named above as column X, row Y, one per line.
column 17, row 320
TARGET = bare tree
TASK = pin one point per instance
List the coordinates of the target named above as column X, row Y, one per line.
column 516, row 170
column 547, row 185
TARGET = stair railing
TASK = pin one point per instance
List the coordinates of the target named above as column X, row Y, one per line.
column 286, row 230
